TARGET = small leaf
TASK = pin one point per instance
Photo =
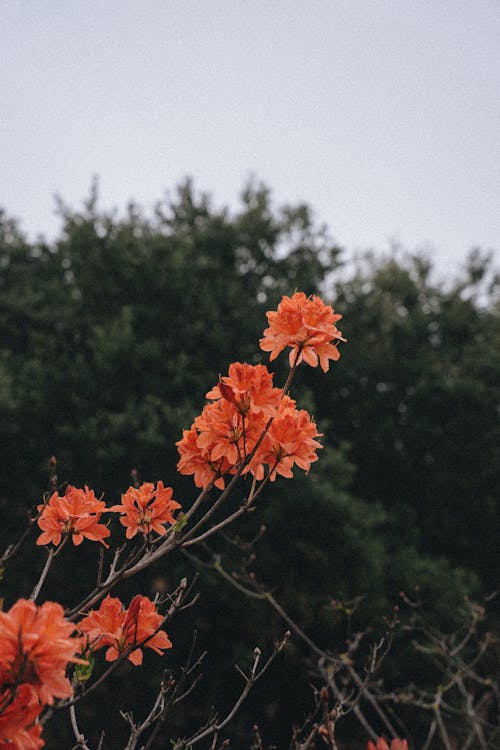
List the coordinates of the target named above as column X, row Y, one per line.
column 83, row 672
column 181, row 521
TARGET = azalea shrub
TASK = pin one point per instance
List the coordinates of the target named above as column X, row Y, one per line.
column 55, row 655
column 249, row 426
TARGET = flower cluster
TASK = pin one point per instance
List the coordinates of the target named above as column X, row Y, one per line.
column 77, row 514
column 35, row 649
column 305, row 324
column 146, row 509
column 248, row 425
column 122, row 630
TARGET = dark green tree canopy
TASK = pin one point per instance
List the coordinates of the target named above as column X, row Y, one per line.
column 113, row 333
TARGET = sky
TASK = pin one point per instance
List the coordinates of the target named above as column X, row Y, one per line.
column 384, row 116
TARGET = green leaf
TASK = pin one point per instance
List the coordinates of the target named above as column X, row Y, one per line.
column 180, row 522
column 83, row 672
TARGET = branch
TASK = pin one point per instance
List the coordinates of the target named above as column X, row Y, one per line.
column 214, row 726
column 43, row 575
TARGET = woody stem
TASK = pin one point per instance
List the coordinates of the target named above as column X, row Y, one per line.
column 289, row 379
column 43, row 576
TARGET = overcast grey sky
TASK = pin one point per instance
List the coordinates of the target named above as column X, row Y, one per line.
column 383, row 115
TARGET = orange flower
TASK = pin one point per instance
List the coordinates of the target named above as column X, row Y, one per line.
column 197, row 461
column 77, row 513
column 146, row 509
column 248, row 388
column 227, row 434
column 220, row 429
column 194, row 460
column 228, row 429
column 290, row 440
column 308, row 326
column 17, row 731
column 396, row 744
column 112, row 625
column 36, row 647
column 220, row 438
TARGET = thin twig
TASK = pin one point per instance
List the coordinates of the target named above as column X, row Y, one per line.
column 80, row 739
column 43, row 575
column 214, row 726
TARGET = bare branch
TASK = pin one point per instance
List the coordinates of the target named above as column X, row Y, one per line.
column 213, row 727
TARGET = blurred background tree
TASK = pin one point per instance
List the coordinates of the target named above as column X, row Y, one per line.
column 113, row 333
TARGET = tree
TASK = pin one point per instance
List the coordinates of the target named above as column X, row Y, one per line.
column 420, row 404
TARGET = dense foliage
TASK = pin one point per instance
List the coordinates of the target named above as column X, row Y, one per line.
column 111, row 333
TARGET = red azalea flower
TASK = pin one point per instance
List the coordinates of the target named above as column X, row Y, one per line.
column 36, row 647
column 113, row 626
column 17, row 730
column 77, row 513
column 396, row 744
column 146, row 509
column 308, row 326
column 249, row 388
